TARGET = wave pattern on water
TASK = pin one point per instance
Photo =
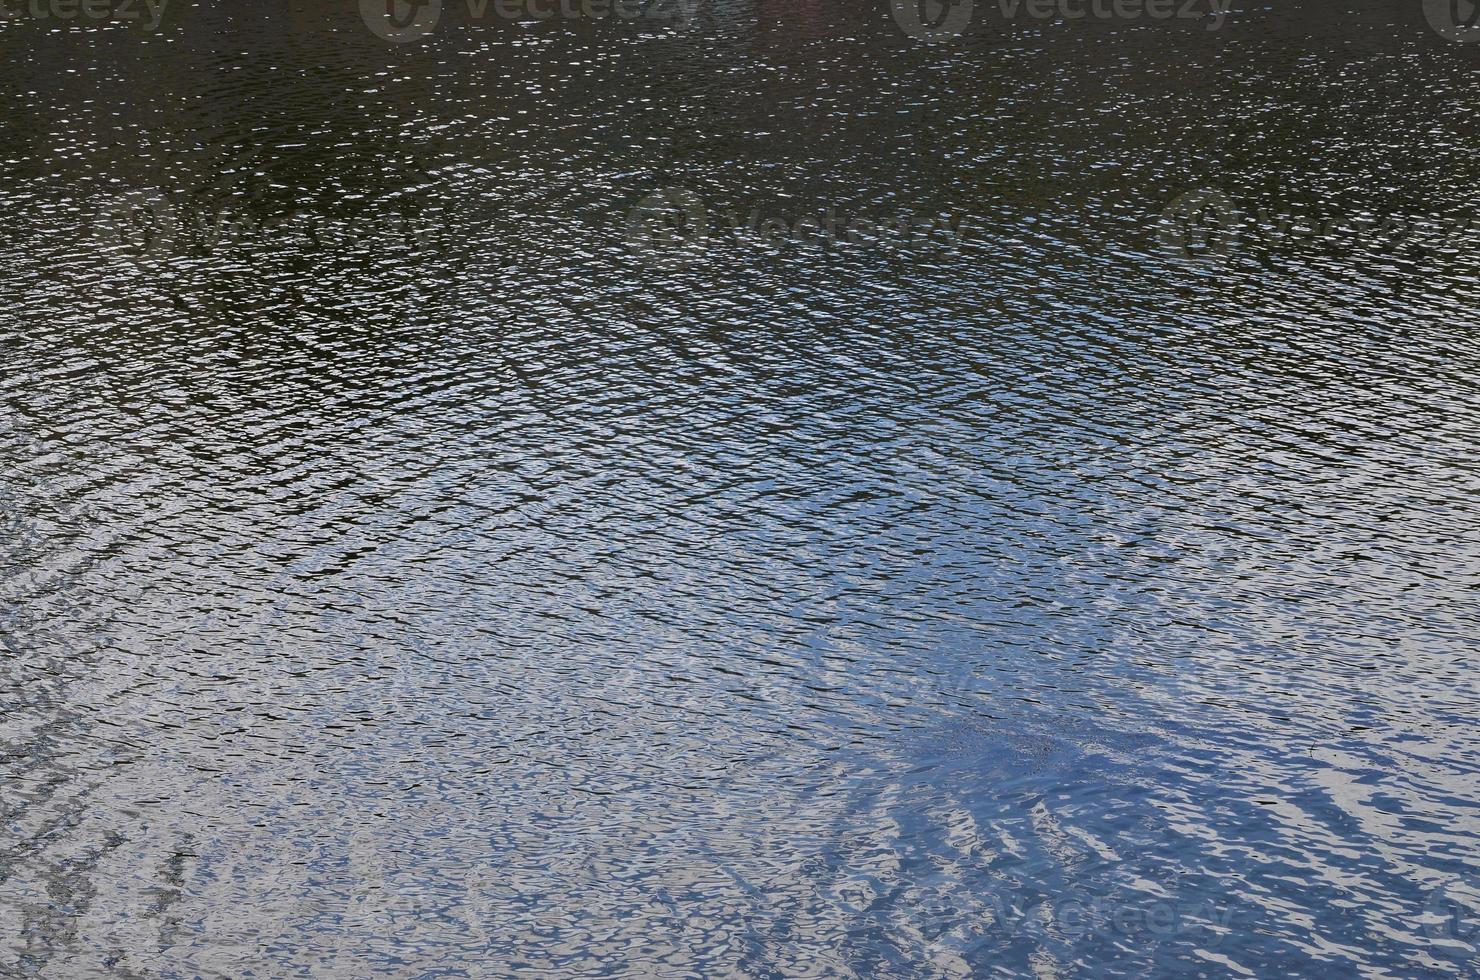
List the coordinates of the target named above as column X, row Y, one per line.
column 400, row 577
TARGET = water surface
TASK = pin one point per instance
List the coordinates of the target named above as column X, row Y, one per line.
column 416, row 561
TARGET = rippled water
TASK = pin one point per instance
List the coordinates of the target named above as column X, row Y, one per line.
column 457, row 522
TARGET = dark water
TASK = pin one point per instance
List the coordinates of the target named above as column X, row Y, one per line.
column 437, row 542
